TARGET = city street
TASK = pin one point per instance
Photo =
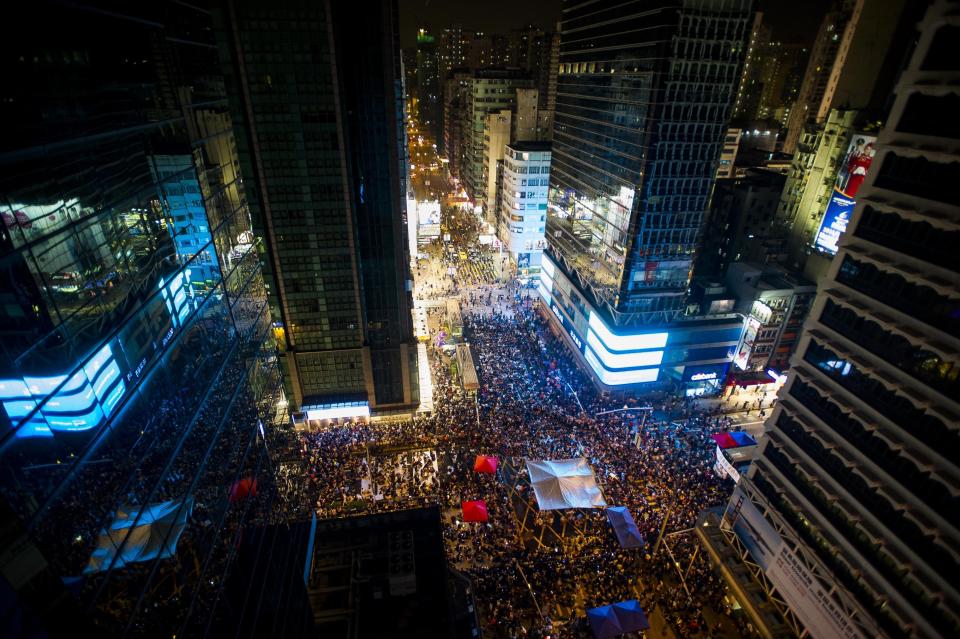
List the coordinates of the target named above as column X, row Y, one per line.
column 536, row 572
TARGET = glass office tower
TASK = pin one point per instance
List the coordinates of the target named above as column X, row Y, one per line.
column 847, row 524
column 321, row 151
column 643, row 98
column 138, row 376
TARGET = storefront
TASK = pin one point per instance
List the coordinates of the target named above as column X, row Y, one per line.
column 703, row 380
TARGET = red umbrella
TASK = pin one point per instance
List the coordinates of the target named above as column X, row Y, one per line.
column 475, row 511
column 485, row 464
column 243, row 488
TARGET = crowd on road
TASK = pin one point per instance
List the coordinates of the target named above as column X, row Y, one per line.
column 536, row 575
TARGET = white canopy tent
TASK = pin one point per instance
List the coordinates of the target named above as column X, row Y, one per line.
column 155, row 534
column 564, row 483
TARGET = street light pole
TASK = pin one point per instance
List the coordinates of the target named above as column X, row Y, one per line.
column 624, row 409
column 663, row 528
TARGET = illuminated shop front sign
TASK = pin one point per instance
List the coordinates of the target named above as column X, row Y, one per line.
column 701, row 377
column 635, row 342
column 556, row 311
column 88, row 392
column 76, row 402
column 341, row 410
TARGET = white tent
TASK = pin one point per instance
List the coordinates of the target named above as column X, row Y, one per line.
column 564, row 483
column 154, row 535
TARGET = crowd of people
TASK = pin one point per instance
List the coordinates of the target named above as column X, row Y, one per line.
column 177, row 443
column 533, row 573
column 536, row 573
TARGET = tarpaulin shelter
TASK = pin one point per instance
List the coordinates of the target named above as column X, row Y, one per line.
column 617, row 619
column 564, row 483
column 475, row 510
column 724, row 440
column 155, row 534
column 743, row 439
column 243, row 488
column 624, row 527
column 485, row 464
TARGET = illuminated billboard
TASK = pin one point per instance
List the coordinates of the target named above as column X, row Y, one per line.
column 746, row 344
column 850, row 177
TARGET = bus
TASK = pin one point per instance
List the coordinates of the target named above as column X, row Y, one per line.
column 454, row 319
column 468, row 372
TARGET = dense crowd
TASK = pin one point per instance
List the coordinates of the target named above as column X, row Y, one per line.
column 176, row 442
column 535, row 573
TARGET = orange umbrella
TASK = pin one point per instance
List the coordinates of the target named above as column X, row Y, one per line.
column 485, row 464
column 243, row 488
column 475, row 511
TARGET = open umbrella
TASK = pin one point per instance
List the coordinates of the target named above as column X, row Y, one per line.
column 485, row 464
column 244, row 488
column 475, row 511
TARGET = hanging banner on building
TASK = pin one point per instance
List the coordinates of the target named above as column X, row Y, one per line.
column 804, row 593
column 746, row 344
column 850, row 177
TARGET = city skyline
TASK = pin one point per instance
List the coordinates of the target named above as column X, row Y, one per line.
column 403, row 318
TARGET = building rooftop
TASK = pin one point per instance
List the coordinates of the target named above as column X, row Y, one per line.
column 531, row 145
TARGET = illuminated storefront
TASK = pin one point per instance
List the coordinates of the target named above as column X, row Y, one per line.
column 692, row 356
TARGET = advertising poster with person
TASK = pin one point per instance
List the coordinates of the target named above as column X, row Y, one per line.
column 852, row 172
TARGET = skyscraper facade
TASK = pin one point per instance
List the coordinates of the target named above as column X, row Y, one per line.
column 489, row 91
column 429, row 86
column 139, row 375
column 453, row 50
column 323, row 150
column 639, row 126
column 850, row 515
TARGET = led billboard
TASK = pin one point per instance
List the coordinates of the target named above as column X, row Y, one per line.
column 850, row 177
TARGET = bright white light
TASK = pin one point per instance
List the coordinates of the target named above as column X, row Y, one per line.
column 623, row 360
column 620, row 378
column 636, row 342
column 546, row 281
column 336, row 412
column 544, row 293
column 547, row 267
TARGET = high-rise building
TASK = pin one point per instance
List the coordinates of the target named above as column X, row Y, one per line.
column 455, row 97
column 322, row 149
column 834, row 148
column 781, row 71
column 638, row 130
column 747, row 101
column 496, row 135
column 521, row 221
column 775, row 302
column 726, row 167
column 488, row 91
column 139, row 377
column 771, row 77
column 428, row 85
column 488, row 51
column 453, row 50
column 854, row 61
column 820, row 162
column 847, row 525
column 827, row 57
column 740, row 223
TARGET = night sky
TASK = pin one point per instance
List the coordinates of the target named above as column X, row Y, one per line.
column 791, row 21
